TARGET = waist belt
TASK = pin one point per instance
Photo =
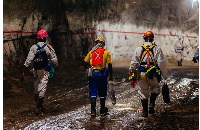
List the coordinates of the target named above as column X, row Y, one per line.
column 143, row 69
column 100, row 71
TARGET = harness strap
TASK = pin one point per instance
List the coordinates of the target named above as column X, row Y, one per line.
column 147, row 49
column 40, row 47
column 148, row 70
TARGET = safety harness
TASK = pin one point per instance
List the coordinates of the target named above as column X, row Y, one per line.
column 146, row 51
column 152, row 71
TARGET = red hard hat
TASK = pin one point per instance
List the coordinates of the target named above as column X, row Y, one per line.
column 42, row 34
column 148, row 34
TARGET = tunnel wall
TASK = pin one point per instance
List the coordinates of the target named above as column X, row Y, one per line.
column 122, row 44
column 71, row 25
column 22, row 20
column 166, row 18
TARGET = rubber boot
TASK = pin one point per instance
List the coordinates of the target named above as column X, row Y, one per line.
column 39, row 106
column 103, row 109
column 181, row 62
column 145, row 107
column 93, row 107
column 152, row 103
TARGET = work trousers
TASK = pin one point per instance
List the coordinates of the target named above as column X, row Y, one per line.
column 179, row 55
column 147, row 86
column 98, row 85
column 40, row 83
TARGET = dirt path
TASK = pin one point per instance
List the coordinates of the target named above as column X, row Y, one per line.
column 69, row 96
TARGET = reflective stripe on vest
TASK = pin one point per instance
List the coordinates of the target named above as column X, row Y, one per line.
column 97, row 56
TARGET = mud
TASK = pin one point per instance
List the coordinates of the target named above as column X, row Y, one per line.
column 67, row 104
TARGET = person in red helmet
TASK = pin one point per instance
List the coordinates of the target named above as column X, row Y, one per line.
column 146, row 66
column 39, row 55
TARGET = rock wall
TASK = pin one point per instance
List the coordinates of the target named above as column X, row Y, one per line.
column 170, row 17
column 22, row 20
column 71, row 25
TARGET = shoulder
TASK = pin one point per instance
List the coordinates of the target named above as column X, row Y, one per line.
column 106, row 52
column 48, row 46
column 89, row 53
column 156, row 47
column 138, row 49
column 34, row 46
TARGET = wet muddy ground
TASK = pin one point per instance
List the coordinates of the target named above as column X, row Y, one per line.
column 67, row 104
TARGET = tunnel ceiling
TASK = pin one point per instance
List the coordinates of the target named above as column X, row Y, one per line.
column 162, row 13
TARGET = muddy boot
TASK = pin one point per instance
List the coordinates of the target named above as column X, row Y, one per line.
column 103, row 110
column 181, row 62
column 152, row 103
column 145, row 107
column 39, row 109
column 93, row 107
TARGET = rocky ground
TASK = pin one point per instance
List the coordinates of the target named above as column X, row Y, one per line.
column 67, row 103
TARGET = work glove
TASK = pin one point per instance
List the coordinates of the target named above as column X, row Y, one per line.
column 133, row 79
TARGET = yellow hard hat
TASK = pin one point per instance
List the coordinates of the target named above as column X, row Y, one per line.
column 100, row 39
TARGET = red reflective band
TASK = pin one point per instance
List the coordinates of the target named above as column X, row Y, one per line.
column 97, row 56
column 148, row 61
column 17, row 32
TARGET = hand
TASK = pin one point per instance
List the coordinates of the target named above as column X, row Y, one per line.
column 22, row 76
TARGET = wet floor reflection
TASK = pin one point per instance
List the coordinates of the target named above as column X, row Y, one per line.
column 127, row 110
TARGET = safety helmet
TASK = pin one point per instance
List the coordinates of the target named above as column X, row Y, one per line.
column 100, row 39
column 42, row 34
column 179, row 37
column 148, row 34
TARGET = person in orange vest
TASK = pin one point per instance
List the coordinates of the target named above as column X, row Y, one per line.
column 147, row 65
column 97, row 59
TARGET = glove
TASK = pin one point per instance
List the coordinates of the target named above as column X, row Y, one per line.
column 133, row 82
column 133, row 79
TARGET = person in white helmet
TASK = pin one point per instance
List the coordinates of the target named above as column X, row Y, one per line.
column 196, row 56
column 39, row 55
column 147, row 65
column 179, row 50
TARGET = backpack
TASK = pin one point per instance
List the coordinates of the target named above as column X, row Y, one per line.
column 40, row 59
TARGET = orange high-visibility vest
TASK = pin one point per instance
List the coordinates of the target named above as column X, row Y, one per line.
column 97, row 56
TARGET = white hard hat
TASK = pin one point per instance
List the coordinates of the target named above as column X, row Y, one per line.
column 179, row 36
